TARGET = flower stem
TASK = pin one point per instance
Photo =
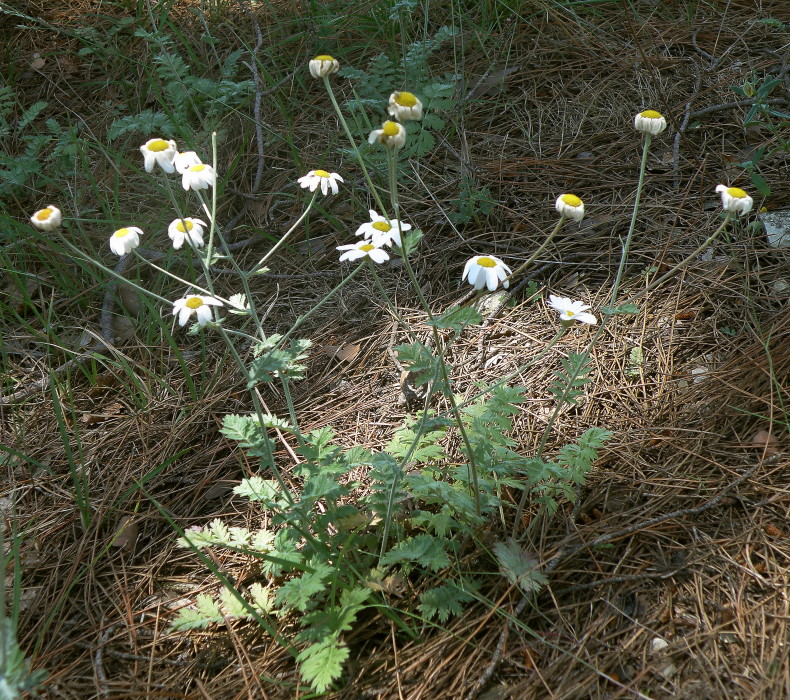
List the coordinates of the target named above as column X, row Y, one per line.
column 535, row 255
column 282, row 240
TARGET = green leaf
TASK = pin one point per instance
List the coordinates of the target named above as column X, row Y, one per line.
column 760, row 184
column 322, row 663
column 443, row 601
column 632, row 309
column 520, row 569
column 283, row 363
column 426, row 550
column 297, row 592
column 457, row 318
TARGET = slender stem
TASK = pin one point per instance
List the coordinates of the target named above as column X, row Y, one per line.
column 627, row 244
column 291, row 410
column 176, row 278
column 393, row 310
column 358, row 155
column 535, row 255
column 255, row 269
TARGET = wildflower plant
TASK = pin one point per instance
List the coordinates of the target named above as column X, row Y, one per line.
column 332, row 537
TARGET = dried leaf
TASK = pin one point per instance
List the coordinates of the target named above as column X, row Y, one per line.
column 343, row 353
column 126, row 535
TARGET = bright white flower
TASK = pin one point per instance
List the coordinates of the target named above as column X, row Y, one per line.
column 324, row 65
column 186, row 229
column 734, row 199
column 159, row 152
column 650, row 121
column 571, row 206
column 198, row 177
column 47, row 219
column 363, row 248
column 390, row 135
column 404, row 106
column 486, row 270
column 184, row 161
column 320, row 177
column 125, row 240
column 571, row 310
column 380, row 231
column 194, row 304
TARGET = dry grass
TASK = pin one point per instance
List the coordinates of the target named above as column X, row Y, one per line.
column 712, row 584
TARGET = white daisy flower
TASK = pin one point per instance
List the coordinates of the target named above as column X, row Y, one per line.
column 734, row 199
column 184, row 161
column 390, row 135
column 47, row 219
column 571, row 206
column 355, row 251
column 486, row 270
column 124, row 240
column 571, row 310
column 198, row 177
column 650, row 121
column 159, row 152
column 380, row 231
column 195, row 304
column 320, row 177
column 404, row 106
column 323, row 65
column 186, row 229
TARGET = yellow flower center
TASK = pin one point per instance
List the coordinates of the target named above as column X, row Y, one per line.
column 323, row 57
column 194, row 303
column 121, row 232
column 180, row 226
column 651, row 114
column 381, row 226
column 390, row 128
column 158, row 145
column 736, row 192
column 568, row 313
column 367, row 247
column 571, row 200
column 44, row 214
column 321, row 173
column 197, row 168
column 405, row 99
column 486, row 262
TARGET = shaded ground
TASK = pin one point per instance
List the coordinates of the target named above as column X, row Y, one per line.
column 711, row 580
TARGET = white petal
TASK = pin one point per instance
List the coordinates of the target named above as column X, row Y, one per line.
column 183, row 315
column 378, row 255
column 491, row 280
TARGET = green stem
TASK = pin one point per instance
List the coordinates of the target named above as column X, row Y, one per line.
column 292, row 411
column 255, row 269
column 393, row 310
column 358, row 155
column 627, row 244
column 535, row 255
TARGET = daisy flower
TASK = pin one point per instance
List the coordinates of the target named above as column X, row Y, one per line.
column 355, row 251
column 380, row 231
column 571, row 206
column 650, row 121
column 186, row 229
column 390, row 135
column 322, row 66
column 404, row 106
column 734, row 199
column 124, row 240
column 159, row 152
column 486, row 270
column 194, row 304
column 47, row 219
column 320, row 177
column 571, row 310
column 198, row 177
column 184, row 161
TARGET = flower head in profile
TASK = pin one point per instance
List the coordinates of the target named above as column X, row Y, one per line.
column 380, row 231
column 184, row 161
column 194, row 304
column 159, row 152
column 124, row 240
column 571, row 310
column 198, row 177
column 323, row 66
column 734, row 199
column 486, row 270
column 570, row 206
column 404, row 106
column 47, row 219
column 323, row 178
column 390, row 135
column 361, row 249
column 650, row 121
column 186, row 229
